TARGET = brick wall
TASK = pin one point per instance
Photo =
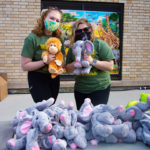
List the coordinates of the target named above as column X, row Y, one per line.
column 18, row 17
column 136, row 42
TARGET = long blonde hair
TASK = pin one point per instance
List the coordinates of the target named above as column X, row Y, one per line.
column 39, row 28
column 75, row 27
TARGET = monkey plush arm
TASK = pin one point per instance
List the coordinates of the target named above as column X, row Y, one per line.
column 59, row 58
column 45, row 56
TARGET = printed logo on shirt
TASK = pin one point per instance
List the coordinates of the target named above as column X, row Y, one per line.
column 43, row 46
column 93, row 54
column 92, row 73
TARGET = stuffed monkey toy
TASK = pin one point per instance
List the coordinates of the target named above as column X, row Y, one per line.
column 53, row 46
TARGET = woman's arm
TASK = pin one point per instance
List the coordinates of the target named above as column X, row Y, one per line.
column 102, row 65
column 28, row 65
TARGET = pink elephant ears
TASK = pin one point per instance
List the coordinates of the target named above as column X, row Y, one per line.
column 94, row 142
column 63, row 117
column 132, row 112
column 22, row 114
column 48, row 127
column 87, row 111
column 71, row 104
column 89, row 47
column 116, row 122
column 50, row 139
column 25, row 127
column 121, row 108
column 36, row 147
column 12, row 142
column 73, row 146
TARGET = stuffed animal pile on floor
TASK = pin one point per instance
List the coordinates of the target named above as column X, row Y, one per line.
column 56, row 126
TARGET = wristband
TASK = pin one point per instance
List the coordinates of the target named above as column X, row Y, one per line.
column 94, row 62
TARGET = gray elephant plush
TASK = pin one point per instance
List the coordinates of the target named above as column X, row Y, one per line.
column 79, row 48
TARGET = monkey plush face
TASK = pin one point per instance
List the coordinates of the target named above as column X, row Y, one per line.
column 53, row 48
column 53, row 45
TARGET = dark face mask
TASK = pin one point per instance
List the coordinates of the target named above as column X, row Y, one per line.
column 83, row 36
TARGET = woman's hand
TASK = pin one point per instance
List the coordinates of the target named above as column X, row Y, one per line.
column 101, row 65
column 51, row 58
column 88, row 58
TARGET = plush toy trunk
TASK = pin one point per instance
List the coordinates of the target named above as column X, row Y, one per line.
column 3, row 88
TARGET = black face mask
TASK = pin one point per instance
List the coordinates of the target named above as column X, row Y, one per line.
column 83, row 36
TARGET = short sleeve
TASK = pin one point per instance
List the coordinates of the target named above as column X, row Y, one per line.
column 105, row 51
column 28, row 48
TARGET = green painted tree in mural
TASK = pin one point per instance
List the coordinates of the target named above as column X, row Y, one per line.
column 67, row 17
column 114, row 17
column 114, row 22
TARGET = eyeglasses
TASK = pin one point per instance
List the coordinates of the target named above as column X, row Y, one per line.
column 79, row 31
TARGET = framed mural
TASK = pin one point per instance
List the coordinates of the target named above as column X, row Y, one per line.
column 107, row 22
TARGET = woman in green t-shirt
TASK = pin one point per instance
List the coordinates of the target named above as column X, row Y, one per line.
column 96, row 84
column 41, row 85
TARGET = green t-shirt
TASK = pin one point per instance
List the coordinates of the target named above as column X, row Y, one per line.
column 33, row 47
column 96, row 79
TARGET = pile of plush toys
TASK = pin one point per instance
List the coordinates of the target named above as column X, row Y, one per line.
column 55, row 126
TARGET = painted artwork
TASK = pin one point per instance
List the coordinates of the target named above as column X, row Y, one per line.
column 105, row 25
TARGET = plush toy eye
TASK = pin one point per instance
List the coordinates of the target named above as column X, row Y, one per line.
column 55, row 45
